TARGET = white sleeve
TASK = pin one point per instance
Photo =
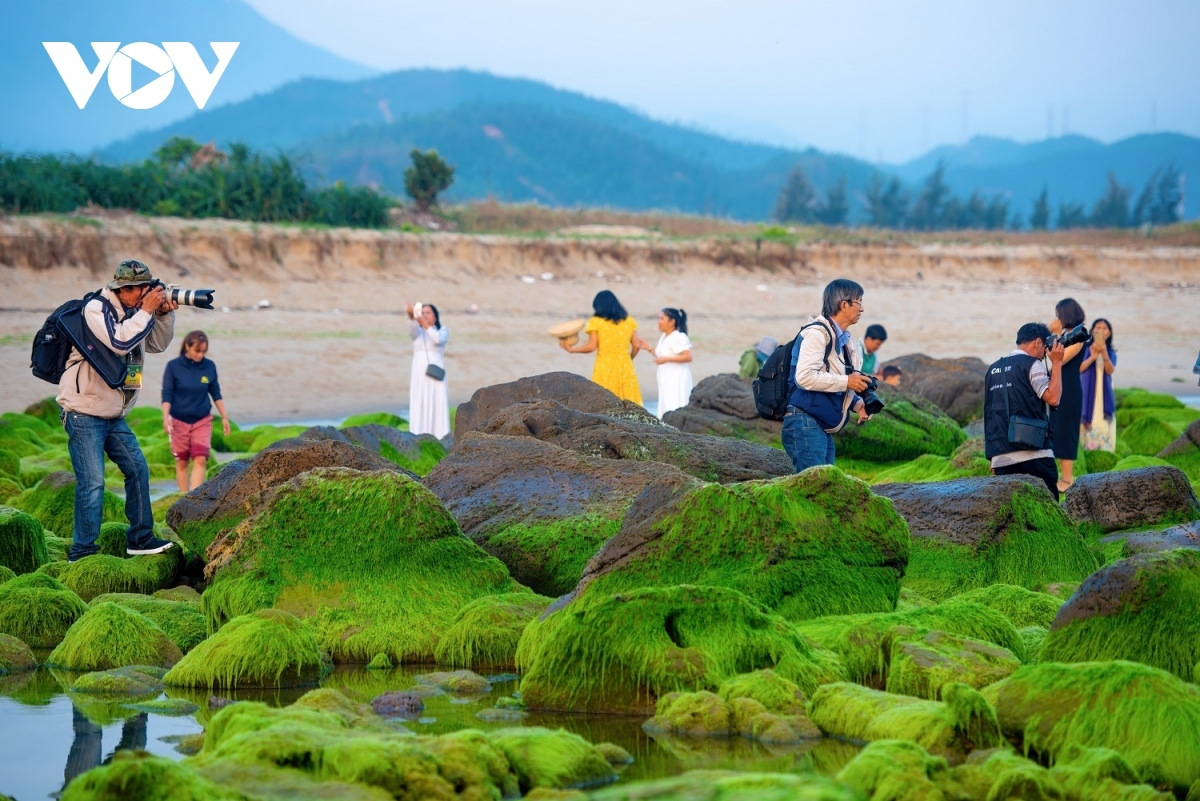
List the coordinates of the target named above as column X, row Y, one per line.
column 118, row 336
column 1039, row 378
column 810, row 367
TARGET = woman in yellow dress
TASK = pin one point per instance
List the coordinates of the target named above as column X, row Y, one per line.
column 613, row 333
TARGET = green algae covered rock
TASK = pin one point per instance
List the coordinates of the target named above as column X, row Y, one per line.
column 1141, row 496
column 486, row 631
column 137, row 774
column 1143, row 609
column 379, row 418
column 22, row 541
column 15, row 656
column 112, row 539
column 456, row 682
column 9, row 488
column 728, row 785
column 131, row 680
column 808, row 545
column 267, row 648
column 545, row 758
column 38, row 609
column 899, row 769
column 620, row 653
column 864, row 643
column 1148, row 716
column 6, row 574
column 908, row 427
column 111, row 636
column 52, row 501
column 171, row 707
column 760, row 706
column 380, row 662
column 953, row 727
column 102, row 573
column 1021, row 606
column 922, row 664
column 975, row 532
column 181, row 622
column 304, row 553
column 182, row 594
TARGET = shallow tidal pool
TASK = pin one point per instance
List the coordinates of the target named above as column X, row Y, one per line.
column 48, row 736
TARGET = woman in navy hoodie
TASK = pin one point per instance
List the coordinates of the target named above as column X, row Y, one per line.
column 188, row 383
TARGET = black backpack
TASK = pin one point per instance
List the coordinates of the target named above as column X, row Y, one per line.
column 51, row 345
column 777, row 378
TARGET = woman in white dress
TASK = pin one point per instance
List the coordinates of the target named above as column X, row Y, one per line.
column 673, row 355
column 428, row 406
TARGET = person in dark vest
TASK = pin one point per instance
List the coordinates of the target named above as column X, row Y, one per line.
column 1030, row 390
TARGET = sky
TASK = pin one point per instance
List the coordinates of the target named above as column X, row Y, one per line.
column 883, row 80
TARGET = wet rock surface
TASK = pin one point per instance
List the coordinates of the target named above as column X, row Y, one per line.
column 569, row 389
column 954, row 385
column 723, row 406
column 966, row 511
column 1131, row 498
column 371, row 437
column 407, row 704
column 1186, row 535
column 596, row 435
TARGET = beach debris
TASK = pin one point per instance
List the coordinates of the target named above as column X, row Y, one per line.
column 528, row 279
column 473, row 308
column 547, row 276
column 263, row 304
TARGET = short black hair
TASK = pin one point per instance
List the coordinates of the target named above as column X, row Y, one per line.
column 837, row 292
column 1069, row 313
column 679, row 317
column 606, row 306
column 876, row 331
column 1032, row 332
column 892, row 370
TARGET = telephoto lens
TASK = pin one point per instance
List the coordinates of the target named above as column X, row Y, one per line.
column 196, row 298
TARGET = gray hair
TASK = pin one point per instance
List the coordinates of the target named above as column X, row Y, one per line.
column 838, row 291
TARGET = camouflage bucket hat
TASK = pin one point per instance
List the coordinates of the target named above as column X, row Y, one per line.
column 131, row 272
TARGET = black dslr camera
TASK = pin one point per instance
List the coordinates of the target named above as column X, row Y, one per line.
column 1078, row 334
column 199, row 298
column 871, row 402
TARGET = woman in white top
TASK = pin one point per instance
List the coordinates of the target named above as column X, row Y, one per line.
column 428, row 407
column 673, row 355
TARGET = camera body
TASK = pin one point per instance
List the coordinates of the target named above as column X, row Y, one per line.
column 197, row 298
column 871, row 402
column 417, row 306
column 1077, row 335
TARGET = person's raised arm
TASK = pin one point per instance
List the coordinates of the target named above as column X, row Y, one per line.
column 587, row 347
column 1053, row 393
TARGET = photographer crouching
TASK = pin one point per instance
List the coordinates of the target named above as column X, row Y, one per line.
column 130, row 315
column 1017, row 395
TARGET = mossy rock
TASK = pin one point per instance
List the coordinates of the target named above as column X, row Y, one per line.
column 545, row 758
column 760, row 706
column 6, row 574
column 52, row 501
column 921, row 664
column 380, row 418
column 132, row 680
column 1142, row 609
column 456, row 682
column 137, row 774
column 1021, row 606
column 10, row 464
column 1155, row 495
column 729, row 785
column 1101, row 461
column 22, row 541
column 303, row 553
column 57, row 548
column 38, row 609
column 112, row 539
column 380, row 662
column 1147, row 435
column 171, row 707
column 102, row 573
column 268, row 648
column 808, row 545
column 864, row 642
column 974, row 532
column 928, row 468
column 110, row 636
column 269, row 435
column 623, row 652
column 9, row 489
column 417, row 453
column 908, row 427
column 180, row 620
column 486, row 631
column 958, row 724
column 21, row 440
column 47, row 410
column 15, row 656
column 1148, row 716
column 899, row 769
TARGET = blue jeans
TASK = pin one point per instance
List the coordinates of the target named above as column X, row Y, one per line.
column 805, row 441
column 91, row 438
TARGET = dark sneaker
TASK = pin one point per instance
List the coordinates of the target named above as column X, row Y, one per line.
column 76, row 557
column 151, row 545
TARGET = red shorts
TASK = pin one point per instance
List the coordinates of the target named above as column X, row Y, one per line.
column 191, row 440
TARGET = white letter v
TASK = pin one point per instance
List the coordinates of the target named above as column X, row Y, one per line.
column 196, row 77
column 80, row 82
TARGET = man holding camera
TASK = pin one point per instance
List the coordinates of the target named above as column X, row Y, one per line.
column 828, row 377
column 1017, row 394
column 129, row 316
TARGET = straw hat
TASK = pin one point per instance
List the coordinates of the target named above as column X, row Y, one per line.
column 568, row 331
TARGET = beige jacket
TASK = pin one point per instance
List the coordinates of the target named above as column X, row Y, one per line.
column 812, row 373
column 81, row 389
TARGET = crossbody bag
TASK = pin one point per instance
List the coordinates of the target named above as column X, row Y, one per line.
column 1030, row 432
column 431, row 369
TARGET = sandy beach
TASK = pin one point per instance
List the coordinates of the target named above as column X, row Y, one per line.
column 334, row 341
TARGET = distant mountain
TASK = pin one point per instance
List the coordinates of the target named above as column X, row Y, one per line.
column 39, row 113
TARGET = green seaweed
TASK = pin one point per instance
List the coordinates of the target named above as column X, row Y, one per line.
column 924, row 664
column 111, row 636
column 381, row 418
column 908, row 427
column 6, row 574
column 15, row 656
column 52, row 501
column 898, row 770
column 486, row 631
column 268, row 648
column 550, row 555
column 1034, row 638
column 545, row 758
column 131, row 680
column 380, row 662
column 10, row 464
column 725, row 785
column 429, row 454
column 273, row 434
column 305, row 553
column 102, row 573
column 1149, row 434
column 137, row 774
column 1101, row 461
column 929, row 467
column 1148, row 716
column 182, row 622
column 22, row 541
column 9, row 489
column 38, row 609
column 1021, row 606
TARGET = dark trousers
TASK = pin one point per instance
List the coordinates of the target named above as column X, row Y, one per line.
column 1043, row 468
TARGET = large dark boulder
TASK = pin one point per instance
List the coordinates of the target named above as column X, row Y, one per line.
column 1143, row 609
column 1127, row 499
column 542, row 510
column 974, row 532
column 723, row 406
column 1128, row 543
column 707, row 458
column 243, row 486
column 954, row 385
column 569, row 389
